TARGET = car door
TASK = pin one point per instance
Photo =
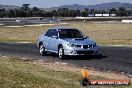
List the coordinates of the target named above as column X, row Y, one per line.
column 47, row 39
column 54, row 40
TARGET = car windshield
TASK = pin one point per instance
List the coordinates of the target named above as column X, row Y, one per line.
column 70, row 33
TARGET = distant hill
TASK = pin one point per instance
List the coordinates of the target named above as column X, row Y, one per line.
column 103, row 6
column 8, row 7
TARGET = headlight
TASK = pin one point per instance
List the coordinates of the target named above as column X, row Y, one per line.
column 94, row 45
column 70, row 45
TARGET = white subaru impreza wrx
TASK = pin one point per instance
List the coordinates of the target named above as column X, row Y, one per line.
column 66, row 41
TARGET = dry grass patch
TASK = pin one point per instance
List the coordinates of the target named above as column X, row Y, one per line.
column 25, row 73
column 102, row 33
column 17, row 73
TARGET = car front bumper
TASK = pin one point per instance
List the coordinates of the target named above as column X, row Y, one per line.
column 80, row 51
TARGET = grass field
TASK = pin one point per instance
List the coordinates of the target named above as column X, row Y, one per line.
column 18, row 73
column 102, row 33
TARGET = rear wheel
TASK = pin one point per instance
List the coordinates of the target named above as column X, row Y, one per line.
column 42, row 50
column 61, row 53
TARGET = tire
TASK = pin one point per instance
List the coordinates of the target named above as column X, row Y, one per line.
column 42, row 50
column 61, row 53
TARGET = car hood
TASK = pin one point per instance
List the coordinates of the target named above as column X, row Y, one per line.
column 80, row 41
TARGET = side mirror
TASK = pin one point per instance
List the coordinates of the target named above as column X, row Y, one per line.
column 54, row 36
column 86, row 37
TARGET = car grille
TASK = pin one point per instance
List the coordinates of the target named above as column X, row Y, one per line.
column 85, row 52
column 78, row 45
column 84, row 46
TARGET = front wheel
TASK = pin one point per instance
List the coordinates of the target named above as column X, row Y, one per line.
column 42, row 50
column 61, row 53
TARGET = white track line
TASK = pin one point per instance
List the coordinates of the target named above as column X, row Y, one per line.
column 115, row 45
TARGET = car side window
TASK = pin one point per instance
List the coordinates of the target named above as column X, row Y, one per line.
column 55, row 33
column 49, row 33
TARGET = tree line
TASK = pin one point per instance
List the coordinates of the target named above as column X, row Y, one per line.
column 26, row 11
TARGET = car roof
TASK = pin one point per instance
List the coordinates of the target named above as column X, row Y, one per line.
column 61, row 28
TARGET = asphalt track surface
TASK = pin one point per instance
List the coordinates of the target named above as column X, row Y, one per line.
column 112, row 58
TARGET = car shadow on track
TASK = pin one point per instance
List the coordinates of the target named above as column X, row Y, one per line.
column 86, row 57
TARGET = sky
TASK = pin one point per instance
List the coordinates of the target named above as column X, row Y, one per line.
column 55, row 3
